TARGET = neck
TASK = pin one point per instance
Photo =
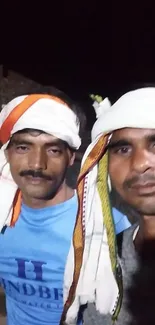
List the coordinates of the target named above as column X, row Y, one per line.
column 146, row 230
column 65, row 193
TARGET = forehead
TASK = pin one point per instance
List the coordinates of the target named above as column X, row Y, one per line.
column 35, row 136
column 132, row 134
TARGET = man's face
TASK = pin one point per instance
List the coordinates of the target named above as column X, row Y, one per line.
column 132, row 167
column 38, row 163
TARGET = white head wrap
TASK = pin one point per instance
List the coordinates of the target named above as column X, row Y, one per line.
column 135, row 109
column 45, row 114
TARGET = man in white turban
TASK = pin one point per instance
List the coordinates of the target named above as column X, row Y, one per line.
column 123, row 141
column 38, row 214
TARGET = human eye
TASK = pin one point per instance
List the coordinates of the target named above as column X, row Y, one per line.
column 151, row 143
column 153, row 146
column 123, row 150
column 22, row 148
column 54, row 151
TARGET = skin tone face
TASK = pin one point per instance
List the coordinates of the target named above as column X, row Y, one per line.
column 38, row 164
column 132, row 172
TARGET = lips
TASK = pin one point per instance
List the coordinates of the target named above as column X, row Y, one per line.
column 34, row 180
column 138, row 185
column 144, row 188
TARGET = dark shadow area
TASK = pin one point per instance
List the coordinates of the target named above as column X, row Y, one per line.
column 2, row 304
column 142, row 293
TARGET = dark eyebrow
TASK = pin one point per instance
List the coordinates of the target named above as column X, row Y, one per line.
column 151, row 138
column 55, row 142
column 19, row 142
column 118, row 144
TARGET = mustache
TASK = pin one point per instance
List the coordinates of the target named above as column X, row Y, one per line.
column 139, row 180
column 35, row 174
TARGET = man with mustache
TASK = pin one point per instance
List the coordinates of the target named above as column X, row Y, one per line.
column 128, row 128
column 40, row 135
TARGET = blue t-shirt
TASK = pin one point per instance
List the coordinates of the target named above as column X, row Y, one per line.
column 32, row 262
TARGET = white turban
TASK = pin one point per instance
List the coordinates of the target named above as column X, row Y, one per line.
column 135, row 109
column 41, row 112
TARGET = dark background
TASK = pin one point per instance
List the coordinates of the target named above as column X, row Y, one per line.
column 81, row 47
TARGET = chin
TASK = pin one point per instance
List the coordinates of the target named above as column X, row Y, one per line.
column 147, row 209
column 38, row 195
column 41, row 195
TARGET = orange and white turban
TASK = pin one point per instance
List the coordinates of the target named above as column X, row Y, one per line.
column 41, row 112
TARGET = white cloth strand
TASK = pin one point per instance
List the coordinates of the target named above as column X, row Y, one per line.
column 97, row 282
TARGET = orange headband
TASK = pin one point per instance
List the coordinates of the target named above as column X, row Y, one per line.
column 19, row 110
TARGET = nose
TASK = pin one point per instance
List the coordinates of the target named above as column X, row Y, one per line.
column 37, row 160
column 141, row 161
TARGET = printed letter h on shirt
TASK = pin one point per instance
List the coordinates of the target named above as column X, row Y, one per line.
column 30, row 269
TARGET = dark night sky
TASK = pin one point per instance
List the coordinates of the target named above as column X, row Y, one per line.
column 85, row 46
